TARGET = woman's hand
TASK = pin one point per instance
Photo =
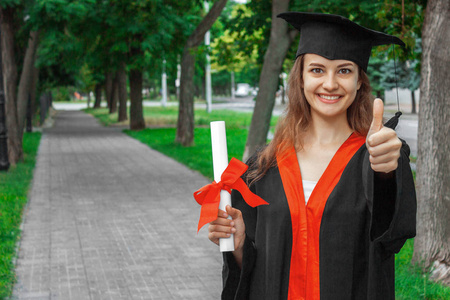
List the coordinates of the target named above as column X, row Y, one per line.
column 382, row 142
column 223, row 228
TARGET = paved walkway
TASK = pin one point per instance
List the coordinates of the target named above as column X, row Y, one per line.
column 109, row 218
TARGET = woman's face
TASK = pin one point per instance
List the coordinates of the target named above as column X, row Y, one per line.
column 330, row 86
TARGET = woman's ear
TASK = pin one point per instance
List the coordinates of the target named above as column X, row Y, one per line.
column 359, row 83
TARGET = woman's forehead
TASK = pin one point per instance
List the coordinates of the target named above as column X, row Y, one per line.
column 311, row 58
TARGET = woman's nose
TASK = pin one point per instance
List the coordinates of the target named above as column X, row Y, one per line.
column 330, row 83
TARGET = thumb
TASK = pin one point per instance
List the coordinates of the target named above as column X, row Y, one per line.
column 377, row 121
column 233, row 212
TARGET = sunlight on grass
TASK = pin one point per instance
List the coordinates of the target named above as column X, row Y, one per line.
column 197, row 157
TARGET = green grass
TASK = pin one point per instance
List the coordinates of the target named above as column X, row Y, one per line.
column 197, row 157
column 14, row 186
column 167, row 117
column 411, row 284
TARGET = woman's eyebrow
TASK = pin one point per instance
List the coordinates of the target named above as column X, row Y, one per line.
column 339, row 66
column 316, row 65
column 345, row 65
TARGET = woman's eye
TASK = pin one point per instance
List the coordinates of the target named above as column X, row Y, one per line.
column 317, row 70
column 345, row 71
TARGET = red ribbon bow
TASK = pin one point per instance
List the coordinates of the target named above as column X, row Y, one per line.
column 209, row 195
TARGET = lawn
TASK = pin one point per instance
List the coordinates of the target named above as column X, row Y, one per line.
column 410, row 282
column 14, row 186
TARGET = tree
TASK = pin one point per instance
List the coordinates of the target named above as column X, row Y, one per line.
column 7, row 28
column 98, row 95
column 432, row 243
column 122, row 92
column 185, row 123
column 281, row 38
column 26, row 78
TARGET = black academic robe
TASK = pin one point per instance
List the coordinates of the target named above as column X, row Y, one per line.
column 340, row 245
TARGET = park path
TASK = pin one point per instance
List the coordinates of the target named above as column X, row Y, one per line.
column 110, row 218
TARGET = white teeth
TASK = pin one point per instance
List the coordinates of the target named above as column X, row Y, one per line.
column 330, row 97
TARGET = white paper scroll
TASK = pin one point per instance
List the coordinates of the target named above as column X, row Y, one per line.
column 220, row 163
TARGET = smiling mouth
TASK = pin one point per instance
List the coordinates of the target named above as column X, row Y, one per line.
column 331, row 98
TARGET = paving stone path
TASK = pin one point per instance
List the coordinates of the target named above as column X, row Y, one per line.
column 110, row 218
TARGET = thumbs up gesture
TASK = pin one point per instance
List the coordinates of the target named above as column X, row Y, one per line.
column 382, row 142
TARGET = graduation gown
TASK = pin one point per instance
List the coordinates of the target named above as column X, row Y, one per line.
column 340, row 245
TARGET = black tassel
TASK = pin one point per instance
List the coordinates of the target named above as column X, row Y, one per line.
column 392, row 122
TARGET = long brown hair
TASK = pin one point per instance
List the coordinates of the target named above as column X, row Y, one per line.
column 291, row 128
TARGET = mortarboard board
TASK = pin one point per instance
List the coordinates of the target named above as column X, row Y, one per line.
column 335, row 37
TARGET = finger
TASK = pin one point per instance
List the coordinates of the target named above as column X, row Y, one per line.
column 220, row 228
column 391, row 146
column 385, row 167
column 382, row 136
column 222, row 214
column 233, row 212
column 215, row 236
column 377, row 121
column 222, row 221
column 382, row 159
column 378, row 110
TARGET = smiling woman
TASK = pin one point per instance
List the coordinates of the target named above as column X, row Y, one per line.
column 340, row 190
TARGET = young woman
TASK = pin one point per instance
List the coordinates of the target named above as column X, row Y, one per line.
column 338, row 183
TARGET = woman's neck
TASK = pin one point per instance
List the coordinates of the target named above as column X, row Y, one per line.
column 325, row 131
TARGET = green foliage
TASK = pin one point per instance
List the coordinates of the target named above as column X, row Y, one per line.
column 9, row 3
column 14, row 186
column 81, row 40
column 376, row 75
column 405, row 23
column 62, row 93
column 387, row 73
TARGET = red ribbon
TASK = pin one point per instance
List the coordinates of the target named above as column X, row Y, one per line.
column 209, row 195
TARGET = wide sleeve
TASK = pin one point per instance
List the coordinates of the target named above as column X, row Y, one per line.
column 392, row 203
column 236, row 281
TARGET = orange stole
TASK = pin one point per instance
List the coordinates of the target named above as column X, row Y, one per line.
column 304, row 277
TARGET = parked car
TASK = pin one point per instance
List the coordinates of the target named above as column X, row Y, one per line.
column 242, row 90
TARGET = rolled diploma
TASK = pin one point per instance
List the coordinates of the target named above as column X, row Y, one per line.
column 220, row 163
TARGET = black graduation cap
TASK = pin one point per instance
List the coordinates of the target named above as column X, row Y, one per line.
column 336, row 37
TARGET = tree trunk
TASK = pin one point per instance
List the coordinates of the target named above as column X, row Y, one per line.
column 122, row 92
column 432, row 243
column 88, row 99
column 33, row 89
column 114, row 95
column 109, row 77
column 26, row 78
column 98, row 95
column 136, row 114
column 281, row 38
column 380, row 95
column 185, row 123
column 10, row 82
column 413, row 103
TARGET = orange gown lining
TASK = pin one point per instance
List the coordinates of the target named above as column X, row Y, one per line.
column 304, row 277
